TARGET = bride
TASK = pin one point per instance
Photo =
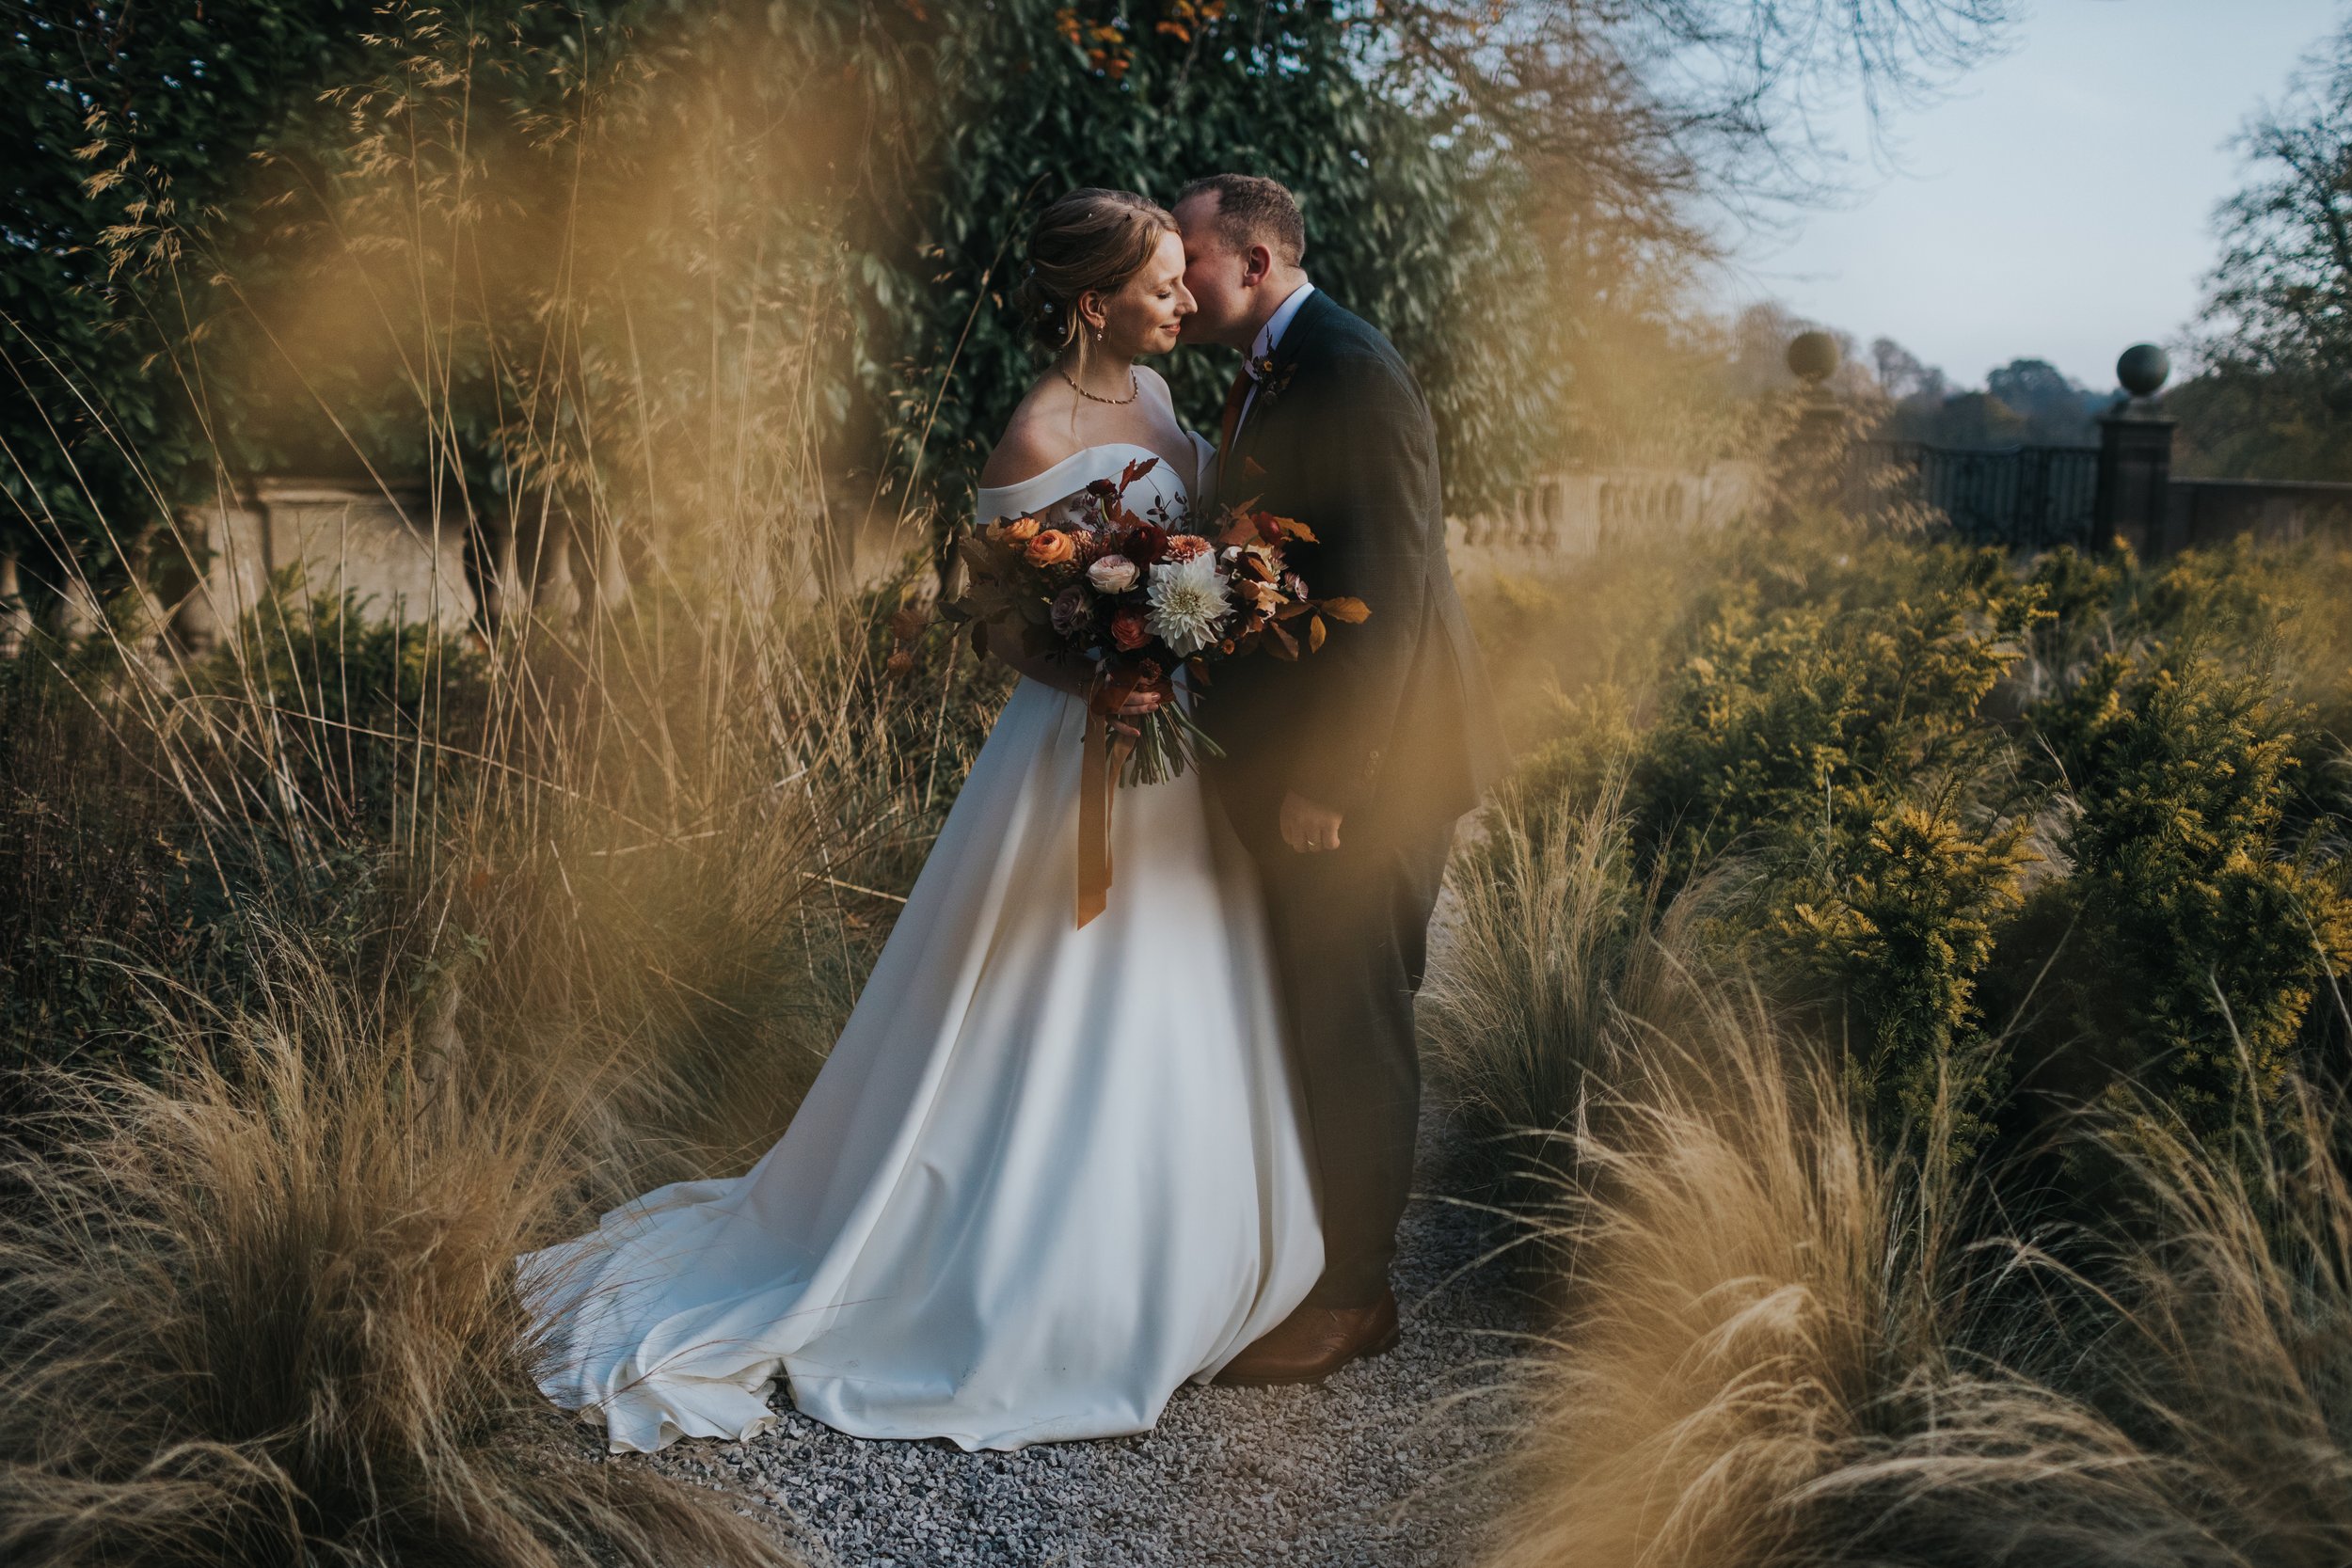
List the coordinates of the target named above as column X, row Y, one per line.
column 1049, row 1172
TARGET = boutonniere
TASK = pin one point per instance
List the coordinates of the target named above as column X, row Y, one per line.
column 1272, row 377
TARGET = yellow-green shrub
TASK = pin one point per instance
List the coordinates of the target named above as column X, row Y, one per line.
column 2196, row 942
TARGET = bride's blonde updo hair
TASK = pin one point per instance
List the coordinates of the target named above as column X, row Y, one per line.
column 1091, row 239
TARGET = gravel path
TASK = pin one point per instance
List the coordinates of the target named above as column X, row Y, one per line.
column 1387, row 1464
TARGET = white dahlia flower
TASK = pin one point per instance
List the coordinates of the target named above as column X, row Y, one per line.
column 1188, row 600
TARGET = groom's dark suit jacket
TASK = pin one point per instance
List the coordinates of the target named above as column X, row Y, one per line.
column 1391, row 723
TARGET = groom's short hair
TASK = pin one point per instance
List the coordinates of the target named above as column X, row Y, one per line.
column 1254, row 210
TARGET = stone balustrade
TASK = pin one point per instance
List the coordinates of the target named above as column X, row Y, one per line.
column 405, row 560
column 1567, row 516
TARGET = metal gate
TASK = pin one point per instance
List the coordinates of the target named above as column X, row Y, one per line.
column 2020, row 498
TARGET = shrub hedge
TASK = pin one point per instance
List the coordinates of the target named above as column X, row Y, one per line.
column 2016, row 834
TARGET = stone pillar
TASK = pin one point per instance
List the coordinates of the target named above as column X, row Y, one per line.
column 194, row 617
column 611, row 570
column 2135, row 458
column 1810, row 465
column 493, row 571
column 556, row 596
column 16, row 621
column 78, row 616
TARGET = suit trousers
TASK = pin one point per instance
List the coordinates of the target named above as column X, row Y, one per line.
column 1350, row 928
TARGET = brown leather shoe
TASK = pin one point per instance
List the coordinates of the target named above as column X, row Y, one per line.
column 1312, row 1343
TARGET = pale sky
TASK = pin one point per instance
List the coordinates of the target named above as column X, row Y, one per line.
column 2058, row 203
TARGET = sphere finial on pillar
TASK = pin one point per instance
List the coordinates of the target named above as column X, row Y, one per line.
column 1812, row 356
column 2142, row 369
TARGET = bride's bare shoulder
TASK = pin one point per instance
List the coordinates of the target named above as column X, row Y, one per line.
column 1034, row 440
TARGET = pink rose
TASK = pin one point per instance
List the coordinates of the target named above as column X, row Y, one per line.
column 1113, row 574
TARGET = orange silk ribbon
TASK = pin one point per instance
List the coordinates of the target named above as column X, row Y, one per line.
column 1106, row 755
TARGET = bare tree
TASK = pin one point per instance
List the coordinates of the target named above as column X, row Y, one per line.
column 2275, row 333
column 1901, row 374
column 1635, row 98
column 1636, row 128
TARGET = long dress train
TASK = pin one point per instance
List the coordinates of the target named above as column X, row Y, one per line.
column 1047, row 1173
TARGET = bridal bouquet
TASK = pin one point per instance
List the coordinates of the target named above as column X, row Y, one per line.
column 1138, row 596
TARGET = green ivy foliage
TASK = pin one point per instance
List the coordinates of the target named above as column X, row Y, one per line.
column 125, row 125
column 194, row 187
column 1411, row 215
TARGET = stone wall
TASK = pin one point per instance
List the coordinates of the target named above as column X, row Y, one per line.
column 2208, row 511
column 388, row 546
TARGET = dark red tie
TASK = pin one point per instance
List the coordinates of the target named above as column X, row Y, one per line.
column 1236, row 395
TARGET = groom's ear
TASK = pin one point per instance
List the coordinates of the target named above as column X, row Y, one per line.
column 1260, row 266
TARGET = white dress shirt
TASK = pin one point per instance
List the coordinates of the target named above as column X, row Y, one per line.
column 1269, row 336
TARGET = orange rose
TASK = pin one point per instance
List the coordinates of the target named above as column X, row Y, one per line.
column 1018, row 528
column 1052, row 547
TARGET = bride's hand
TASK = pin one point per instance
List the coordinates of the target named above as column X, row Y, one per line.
column 1140, row 702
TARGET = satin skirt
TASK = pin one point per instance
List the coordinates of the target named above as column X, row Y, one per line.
column 1046, row 1175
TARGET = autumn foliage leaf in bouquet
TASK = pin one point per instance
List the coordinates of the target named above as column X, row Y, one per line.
column 1140, row 597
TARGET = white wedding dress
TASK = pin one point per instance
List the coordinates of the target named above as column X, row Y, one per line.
column 1047, row 1174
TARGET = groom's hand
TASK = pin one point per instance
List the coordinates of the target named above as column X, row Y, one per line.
column 1308, row 826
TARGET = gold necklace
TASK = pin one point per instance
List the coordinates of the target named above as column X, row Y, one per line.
column 1133, row 386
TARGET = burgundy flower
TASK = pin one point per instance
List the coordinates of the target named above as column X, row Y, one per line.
column 1128, row 631
column 1072, row 610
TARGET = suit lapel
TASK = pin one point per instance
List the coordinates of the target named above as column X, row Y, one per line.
column 1232, row 473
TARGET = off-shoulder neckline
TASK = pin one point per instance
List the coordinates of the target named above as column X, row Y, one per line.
column 1082, row 451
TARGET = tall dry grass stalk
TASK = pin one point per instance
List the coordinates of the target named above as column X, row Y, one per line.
column 1758, row 1300
column 1730, row 1237
column 265, row 1314
column 1784, row 1347
column 1551, row 959
column 588, row 929
column 2238, row 1355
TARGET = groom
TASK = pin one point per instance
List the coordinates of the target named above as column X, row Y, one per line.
column 1343, row 772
